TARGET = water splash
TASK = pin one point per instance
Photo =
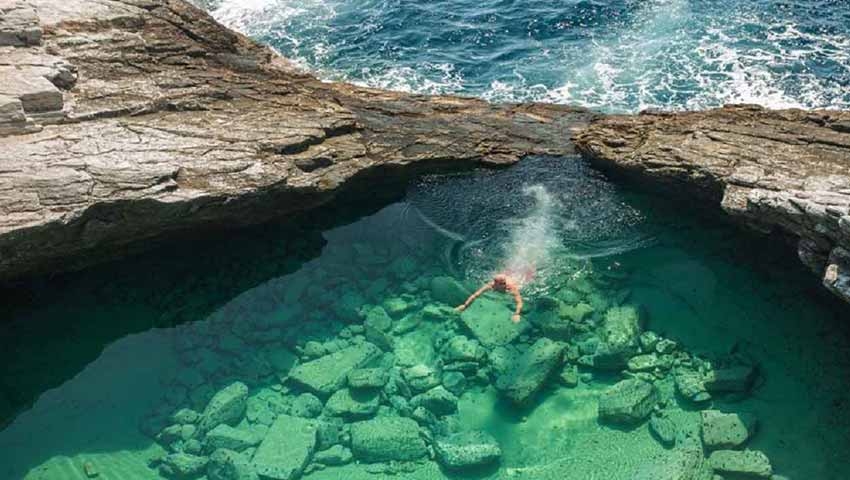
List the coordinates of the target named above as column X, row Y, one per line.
column 533, row 239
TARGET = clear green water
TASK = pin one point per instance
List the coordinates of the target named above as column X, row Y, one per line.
column 92, row 361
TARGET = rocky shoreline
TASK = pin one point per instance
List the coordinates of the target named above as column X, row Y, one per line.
column 124, row 122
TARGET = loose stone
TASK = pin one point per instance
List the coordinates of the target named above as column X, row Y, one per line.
column 467, row 449
column 629, row 401
column 227, row 406
column 287, row 448
column 746, row 463
column 387, row 438
column 726, row 430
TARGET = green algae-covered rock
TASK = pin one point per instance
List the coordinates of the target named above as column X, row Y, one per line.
column 306, row 405
column 490, row 322
column 336, row 455
column 629, row 401
column 679, row 464
column 691, row 385
column 741, row 464
column 396, row 306
column 182, row 465
column 467, row 449
column 328, row 374
column 287, row 448
column 229, row 465
column 439, row 313
column 664, row 429
column 353, row 404
column 226, row 406
column 739, row 378
column 421, row 377
column 531, row 370
column 438, row 401
column 643, row 363
column 576, row 312
column 462, row 349
column 367, row 378
column 454, row 382
column 726, row 430
column 227, row 437
column 620, row 333
column 569, row 376
column 448, row 290
column 385, row 439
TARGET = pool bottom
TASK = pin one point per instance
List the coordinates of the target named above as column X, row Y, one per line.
column 700, row 285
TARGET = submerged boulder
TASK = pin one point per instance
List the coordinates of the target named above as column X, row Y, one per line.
column 620, row 338
column 741, row 464
column 227, row 437
column 367, row 378
column 182, row 465
column 287, row 449
column 531, row 370
column 438, row 401
column 490, row 322
column 467, row 449
column 229, row 465
column 691, row 385
column 385, row 439
column 629, row 401
column 726, row 430
column 738, row 378
column 336, row 455
column 664, row 429
column 226, row 406
column 353, row 404
column 328, row 374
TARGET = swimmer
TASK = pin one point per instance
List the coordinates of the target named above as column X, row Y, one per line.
column 500, row 283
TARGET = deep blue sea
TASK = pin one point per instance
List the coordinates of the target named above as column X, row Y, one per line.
column 614, row 55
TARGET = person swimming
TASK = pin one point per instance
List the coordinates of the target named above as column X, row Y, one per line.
column 503, row 282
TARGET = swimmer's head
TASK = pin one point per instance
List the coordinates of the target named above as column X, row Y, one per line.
column 500, row 281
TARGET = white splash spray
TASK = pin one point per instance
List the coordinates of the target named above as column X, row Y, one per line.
column 533, row 239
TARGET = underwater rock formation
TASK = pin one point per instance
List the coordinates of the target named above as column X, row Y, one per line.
column 124, row 121
column 785, row 172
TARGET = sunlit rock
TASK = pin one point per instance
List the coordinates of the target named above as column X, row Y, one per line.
column 726, row 430
column 287, row 448
column 628, row 402
column 387, row 438
column 467, row 449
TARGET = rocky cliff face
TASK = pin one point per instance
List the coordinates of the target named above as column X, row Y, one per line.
column 783, row 172
column 124, row 120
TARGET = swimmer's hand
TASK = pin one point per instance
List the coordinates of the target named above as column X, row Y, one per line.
column 515, row 318
column 460, row 308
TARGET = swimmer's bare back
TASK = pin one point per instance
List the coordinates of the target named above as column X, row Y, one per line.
column 500, row 283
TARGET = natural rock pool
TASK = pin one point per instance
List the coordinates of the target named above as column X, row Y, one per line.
column 654, row 344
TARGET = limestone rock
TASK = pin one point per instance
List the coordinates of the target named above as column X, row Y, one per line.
column 367, row 378
column 328, row 374
column 19, row 24
column 467, row 449
column 306, row 405
column 691, row 385
column 531, row 371
column 35, row 92
column 226, row 406
column 629, row 401
column 353, row 404
column 664, row 429
column 739, row 378
column 229, row 438
column 726, row 430
column 336, row 455
column 229, row 465
column 437, row 400
column 743, row 463
column 421, row 377
column 778, row 171
column 620, row 333
column 490, row 322
column 183, row 465
column 385, row 439
column 287, row 448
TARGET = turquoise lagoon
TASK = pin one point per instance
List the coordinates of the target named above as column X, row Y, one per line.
column 95, row 363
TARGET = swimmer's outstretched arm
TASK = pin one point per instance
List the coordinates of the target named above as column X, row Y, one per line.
column 518, row 299
column 472, row 297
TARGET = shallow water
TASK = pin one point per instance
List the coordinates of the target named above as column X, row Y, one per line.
column 615, row 55
column 93, row 363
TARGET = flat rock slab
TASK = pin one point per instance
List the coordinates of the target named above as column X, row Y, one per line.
column 328, row 374
column 387, row 438
column 287, row 448
column 35, row 92
column 490, row 322
column 680, row 464
column 726, row 430
column 741, row 464
column 531, row 370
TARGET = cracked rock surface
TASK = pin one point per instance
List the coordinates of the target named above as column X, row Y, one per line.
column 125, row 121
column 784, row 172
